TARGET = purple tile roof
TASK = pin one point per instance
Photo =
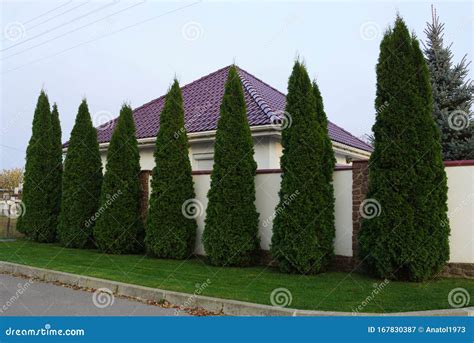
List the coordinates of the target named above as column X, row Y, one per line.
column 202, row 100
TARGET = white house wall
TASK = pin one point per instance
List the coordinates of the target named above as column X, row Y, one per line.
column 267, row 153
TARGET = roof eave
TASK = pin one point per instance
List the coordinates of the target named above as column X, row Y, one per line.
column 204, row 136
column 353, row 151
column 257, row 131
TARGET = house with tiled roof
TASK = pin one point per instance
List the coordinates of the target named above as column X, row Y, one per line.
column 202, row 99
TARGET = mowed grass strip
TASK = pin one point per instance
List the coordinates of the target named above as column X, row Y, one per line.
column 332, row 291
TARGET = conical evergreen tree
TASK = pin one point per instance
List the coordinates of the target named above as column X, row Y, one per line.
column 57, row 160
column 119, row 224
column 170, row 230
column 406, row 237
column 328, row 165
column 38, row 220
column 82, row 180
column 231, row 231
column 453, row 95
column 302, row 237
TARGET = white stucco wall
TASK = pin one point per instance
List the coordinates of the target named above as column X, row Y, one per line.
column 202, row 184
column 460, row 205
column 461, row 213
column 267, row 186
column 266, row 200
column 343, row 212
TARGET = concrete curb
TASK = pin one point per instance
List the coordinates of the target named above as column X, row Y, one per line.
column 216, row 305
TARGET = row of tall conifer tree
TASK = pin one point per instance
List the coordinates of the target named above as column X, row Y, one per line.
column 408, row 240
column 104, row 210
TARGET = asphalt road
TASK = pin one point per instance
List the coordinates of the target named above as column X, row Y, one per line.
column 20, row 297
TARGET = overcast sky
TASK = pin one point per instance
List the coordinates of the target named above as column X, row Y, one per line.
column 115, row 51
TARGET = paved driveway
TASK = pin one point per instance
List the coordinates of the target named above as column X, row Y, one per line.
column 20, row 297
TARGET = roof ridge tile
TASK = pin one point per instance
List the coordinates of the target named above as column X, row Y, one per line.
column 272, row 115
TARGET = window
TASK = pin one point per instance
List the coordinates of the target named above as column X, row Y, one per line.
column 204, row 161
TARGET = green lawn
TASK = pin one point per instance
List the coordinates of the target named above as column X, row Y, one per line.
column 329, row 291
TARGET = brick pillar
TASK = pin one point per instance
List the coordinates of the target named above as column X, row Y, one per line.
column 360, row 182
column 144, row 191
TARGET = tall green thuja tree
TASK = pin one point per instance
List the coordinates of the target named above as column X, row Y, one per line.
column 37, row 221
column 302, row 237
column 231, row 230
column 407, row 236
column 170, row 228
column 432, row 196
column 453, row 95
column 328, row 165
column 57, row 162
column 82, row 180
column 119, row 224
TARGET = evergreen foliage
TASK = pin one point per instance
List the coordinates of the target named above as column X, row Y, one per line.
column 231, row 230
column 82, row 180
column 171, row 226
column 303, row 234
column 328, row 155
column 328, row 165
column 57, row 161
column 119, row 223
column 405, row 231
column 38, row 221
column 453, row 95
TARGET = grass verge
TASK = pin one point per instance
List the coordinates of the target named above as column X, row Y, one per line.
column 332, row 291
